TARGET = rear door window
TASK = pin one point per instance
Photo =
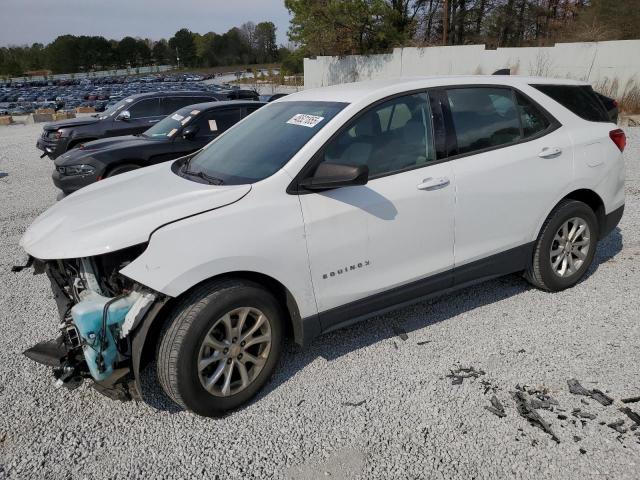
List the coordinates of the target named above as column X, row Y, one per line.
column 149, row 107
column 532, row 119
column 580, row 99
column 483, row 117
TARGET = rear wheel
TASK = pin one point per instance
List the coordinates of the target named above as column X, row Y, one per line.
column 565, row 247
column 220, row 346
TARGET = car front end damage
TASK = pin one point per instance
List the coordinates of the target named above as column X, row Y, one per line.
column 101, row 314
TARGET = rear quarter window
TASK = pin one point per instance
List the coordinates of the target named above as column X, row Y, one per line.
column 580, row 99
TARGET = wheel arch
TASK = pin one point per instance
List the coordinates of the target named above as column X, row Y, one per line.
column 594, row 201
column 585, row 195
column 146, row 335
column 111, row 167
column 76, row 141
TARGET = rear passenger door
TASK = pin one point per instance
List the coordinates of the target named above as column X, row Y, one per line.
column 385, row 242
column 511, row 161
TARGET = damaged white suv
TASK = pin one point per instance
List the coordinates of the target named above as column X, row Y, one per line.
column 321, row 209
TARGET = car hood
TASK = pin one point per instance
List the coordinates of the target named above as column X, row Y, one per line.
column 72, row 122
column 102, row 145
column 121, row 211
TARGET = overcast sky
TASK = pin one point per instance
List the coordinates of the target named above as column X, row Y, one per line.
column 28, row 21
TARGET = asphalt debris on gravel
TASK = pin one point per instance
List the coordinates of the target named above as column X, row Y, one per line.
column 400, row 332
column 597, row 395
column 631, row 400
column 526, row 410
column 618, row 426
column 458, row 375
column 631, row 414
column 354, row 404
column 496, row 407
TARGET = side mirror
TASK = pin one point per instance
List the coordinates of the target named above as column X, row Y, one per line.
column 335, row 175
column 124, row 116
column 189, row 132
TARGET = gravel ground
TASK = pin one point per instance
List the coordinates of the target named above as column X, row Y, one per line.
column 360, row 403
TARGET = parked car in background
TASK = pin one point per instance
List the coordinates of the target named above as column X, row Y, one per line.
column 181, row 133
column 324, row 208
column 130, row 116
column 240, row 94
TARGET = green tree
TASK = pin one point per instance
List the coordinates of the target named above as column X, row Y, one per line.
column 183, row 45
column 160, row 52
column 264, row 45
column 63, row 54
column 128, row 49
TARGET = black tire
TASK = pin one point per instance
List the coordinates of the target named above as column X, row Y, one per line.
column 127, row 167
column 185, row 330
column 540, row 273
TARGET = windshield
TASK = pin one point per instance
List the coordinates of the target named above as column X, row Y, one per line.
column 169, row 126
column 115, row 108
column 264, row 142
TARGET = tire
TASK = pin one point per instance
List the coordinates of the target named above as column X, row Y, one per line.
column 200, row 316
column 549, row 270
column 122, row 169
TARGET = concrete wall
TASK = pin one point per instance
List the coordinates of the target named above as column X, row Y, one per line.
column 600, row 63
column 96, row 74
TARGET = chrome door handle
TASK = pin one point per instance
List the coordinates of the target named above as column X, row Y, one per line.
column 548, row 152
column 433, row 183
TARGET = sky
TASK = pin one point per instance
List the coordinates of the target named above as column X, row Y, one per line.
column 29, row 21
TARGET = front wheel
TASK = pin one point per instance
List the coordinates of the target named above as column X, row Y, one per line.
column 565, row 247
column 220, row 346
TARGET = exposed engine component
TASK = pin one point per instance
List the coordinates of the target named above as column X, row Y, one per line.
column 98, row 309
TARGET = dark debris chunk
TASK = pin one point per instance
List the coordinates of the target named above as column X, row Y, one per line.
column 618, row 426
column 496, row 407
column 631, row 400
column 576, row 388
column 457, row 376
column 527, row 411
column 631, row 414
column 601, row 397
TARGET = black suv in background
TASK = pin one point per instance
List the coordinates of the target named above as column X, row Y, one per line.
column 130, row 116
column 185, row 131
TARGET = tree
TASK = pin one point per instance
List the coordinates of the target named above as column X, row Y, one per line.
column 128, row 52
column 264, row 43
column 160, row 52
column 184, row 46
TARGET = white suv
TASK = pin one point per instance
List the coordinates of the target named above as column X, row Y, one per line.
column 319, row 210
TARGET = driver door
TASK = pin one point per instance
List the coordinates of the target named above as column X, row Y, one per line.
column 143, row 114
column 389, row 241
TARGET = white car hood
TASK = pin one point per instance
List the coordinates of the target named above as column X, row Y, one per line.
column 121, row 211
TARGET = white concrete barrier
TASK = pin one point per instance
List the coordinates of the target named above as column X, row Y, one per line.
column 615, row 64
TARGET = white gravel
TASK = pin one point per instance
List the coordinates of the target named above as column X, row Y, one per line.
column 413, row 422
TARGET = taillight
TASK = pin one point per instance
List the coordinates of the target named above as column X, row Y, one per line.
column 619, row 138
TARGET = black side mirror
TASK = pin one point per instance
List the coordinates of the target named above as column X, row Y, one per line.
column 335, row 175
column 189, row 132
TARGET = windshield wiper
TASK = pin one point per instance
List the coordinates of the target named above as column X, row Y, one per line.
column 208, row 178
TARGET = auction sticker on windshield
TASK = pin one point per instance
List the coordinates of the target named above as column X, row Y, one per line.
column 305, row 120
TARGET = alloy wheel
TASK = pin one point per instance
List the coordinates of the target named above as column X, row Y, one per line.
column 570, row 247
column 234, row 351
